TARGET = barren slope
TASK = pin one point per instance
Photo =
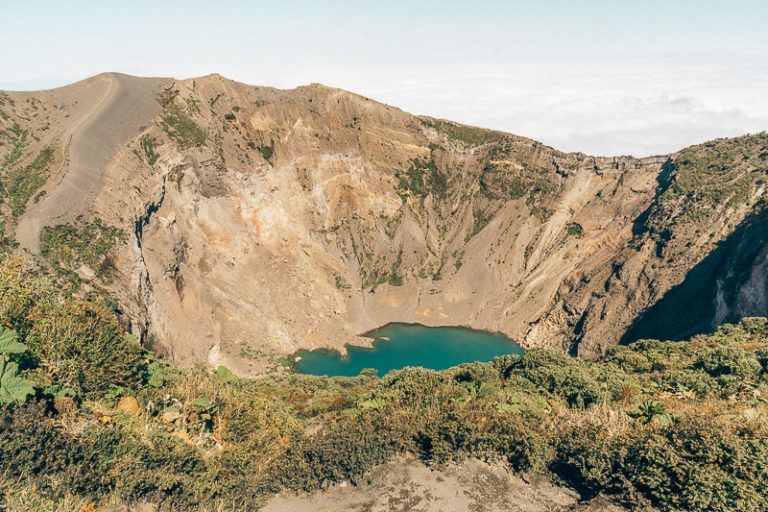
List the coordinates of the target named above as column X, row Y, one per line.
column 410, row 486
column 108, row 109
column 253, row 221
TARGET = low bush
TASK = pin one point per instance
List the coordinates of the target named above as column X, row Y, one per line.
column 730, row 361
column 180, row 127
column 81, row 346
column 81, row 242
column 678, row 425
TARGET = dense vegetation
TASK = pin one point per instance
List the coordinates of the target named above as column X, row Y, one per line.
column 81, row 243
column 18, row 182
column 702, row 181
column 88, row 415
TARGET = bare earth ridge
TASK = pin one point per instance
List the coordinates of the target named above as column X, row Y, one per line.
column 109, row 109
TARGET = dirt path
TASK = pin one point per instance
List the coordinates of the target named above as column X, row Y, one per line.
column 114, row 107
column 407, row 485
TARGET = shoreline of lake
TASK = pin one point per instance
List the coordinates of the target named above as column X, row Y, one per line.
column 398, row 344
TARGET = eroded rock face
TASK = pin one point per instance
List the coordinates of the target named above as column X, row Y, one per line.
column 260, row 221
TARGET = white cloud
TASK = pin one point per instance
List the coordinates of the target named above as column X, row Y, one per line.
column 639, row 107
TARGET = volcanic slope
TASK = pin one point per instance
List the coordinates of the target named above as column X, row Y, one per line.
column 235, row 223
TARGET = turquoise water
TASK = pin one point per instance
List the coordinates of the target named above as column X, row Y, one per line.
column 409, row 345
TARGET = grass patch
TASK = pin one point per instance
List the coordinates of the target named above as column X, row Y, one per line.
column 341, row 283
column 149, row 147
column 89, row 243
column 180, row 127
column 468, row 134
column 422, row 179
column 393, row 277
column 480, row 219
column 500, row 183
column 17, row 137
column 21, row 185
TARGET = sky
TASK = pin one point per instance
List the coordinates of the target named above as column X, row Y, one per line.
column 606, row 77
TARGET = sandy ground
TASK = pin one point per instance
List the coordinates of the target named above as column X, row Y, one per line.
column 407, row 485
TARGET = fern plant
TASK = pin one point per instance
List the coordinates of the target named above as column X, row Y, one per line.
column 373, row 403
column 13, row 386
column 478, row 390
column 651, row 411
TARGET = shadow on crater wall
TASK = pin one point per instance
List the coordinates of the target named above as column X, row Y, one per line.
column 692, row 307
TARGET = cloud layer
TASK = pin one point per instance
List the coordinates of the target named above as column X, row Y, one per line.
column 639, row 107
column 597, row 76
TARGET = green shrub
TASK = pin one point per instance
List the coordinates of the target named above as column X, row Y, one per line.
column 730, row 361
column 414, row 385
column 588, row 458
column 574, row 229
column 181, row 128
column 35, row 447
column 149, row 147
column 345, row 451
column 475, row 372
column 762, row 358
column 698, row 382
column 559, row 375
column 754, row 325
column 16, row 293
column 517, row 440
column 163, row 471
column 23, row 184
column 699, row 466
column 81, row 242
column 267, row 151
column 422, row 179
column 661, row 355
column 629, row 359
column 81, row 346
